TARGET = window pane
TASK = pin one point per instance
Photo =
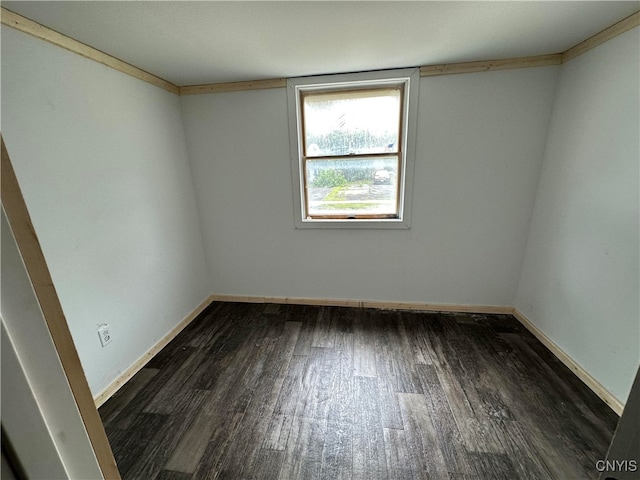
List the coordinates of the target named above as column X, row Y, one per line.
column 363, row 186
column 347, row 123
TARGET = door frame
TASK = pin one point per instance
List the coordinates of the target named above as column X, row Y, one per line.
column 36, row 266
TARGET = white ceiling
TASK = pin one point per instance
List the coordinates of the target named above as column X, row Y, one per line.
column 189, row 43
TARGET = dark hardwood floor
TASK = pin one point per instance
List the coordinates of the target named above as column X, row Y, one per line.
column 252, row 391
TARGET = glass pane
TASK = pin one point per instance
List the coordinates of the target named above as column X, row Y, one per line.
column 363, row 186
column 347, row 123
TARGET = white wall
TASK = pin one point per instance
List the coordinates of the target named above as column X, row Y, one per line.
column 39, row 413
column 580, row 280
column 102, row 160
column 103, row 166
column 480, row 146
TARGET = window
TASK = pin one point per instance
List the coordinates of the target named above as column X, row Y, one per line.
column 352, row 148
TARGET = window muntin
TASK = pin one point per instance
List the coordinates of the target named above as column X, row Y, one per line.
column 364, row 179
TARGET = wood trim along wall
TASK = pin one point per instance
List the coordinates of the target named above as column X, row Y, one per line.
column 40, row 31
column 114, row 386
column 36, row 266
column 454, row 68
column 580, row 372
column 602, row 37
column 490, row 65
column 34, row 29
column 233, row 86
column 21, row 224
column 428, row 307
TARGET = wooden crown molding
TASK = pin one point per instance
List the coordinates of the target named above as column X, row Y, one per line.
column 602, row 37
column 233, row 86
column 489, row 65
column 40, row 31
column 455, row 68
column 34, row 29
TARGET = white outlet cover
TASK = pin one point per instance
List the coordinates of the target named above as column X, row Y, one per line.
column 105, row 335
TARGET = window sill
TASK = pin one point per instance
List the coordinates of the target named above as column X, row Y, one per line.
column 380, row 224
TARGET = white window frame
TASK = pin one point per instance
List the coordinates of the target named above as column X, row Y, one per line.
column 410, row 77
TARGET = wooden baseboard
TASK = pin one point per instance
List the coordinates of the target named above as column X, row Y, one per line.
column 582, row 374
column 338, row 302
column 606, row 396
column 144, row 359
column 114, row 386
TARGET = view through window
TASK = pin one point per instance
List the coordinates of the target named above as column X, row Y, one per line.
column 352, row 152
column 352, row 139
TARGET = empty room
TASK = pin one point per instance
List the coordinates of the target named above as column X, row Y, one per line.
column 329, row 240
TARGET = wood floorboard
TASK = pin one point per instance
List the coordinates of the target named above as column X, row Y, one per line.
column 267, row 391
column 267, row 465
column 172, row 393
column 296, row 449
column 127, row 393
column 323, row 334
column 364, row 354
column 290, row 399
column 158, row 451
column 337, row 452
column 572, row 383
column 170, row 475
column 221, row 435
column 393, row 360
column 129, row 445
column 525, row 456
column 397, row 453
column 137, row 404
column 596, row 430
column 247, row 443
column 368, row 436
column 425, row 455
column 544, row 413
column 496, row 466
column 416, row 323
column 307, row 315
column 448, row 436
column 341, row 406
column 393, row 373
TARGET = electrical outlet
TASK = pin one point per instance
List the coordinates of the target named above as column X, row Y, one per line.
column 105, row 334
